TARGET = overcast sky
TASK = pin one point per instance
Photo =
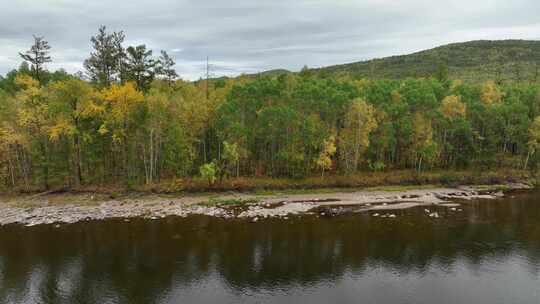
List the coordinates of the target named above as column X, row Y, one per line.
column 246, row 36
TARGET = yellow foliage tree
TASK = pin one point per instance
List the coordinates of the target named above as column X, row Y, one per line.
column 534, row 139
column 33, row 118
column 70, row 102
column 123, row 105
column 452, row 107
column 424, row 147
column 491, row 94
column 32, row 110
column 354, row 137
column 122, row 102
column 13, row 143
column 324, row 160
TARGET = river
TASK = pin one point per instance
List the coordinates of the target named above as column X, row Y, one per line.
column 488, row 253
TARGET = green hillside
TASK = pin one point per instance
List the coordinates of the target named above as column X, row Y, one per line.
column 469, row 61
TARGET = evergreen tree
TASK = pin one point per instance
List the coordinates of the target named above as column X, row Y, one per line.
column 105, row 63
column 140, row 66
column 165, row 67
column 38, row 56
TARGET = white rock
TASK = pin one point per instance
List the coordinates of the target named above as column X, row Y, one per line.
column 434, row 215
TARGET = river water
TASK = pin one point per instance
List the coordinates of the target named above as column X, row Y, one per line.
column 488, row 253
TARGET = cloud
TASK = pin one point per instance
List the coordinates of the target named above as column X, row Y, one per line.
column 246, row 36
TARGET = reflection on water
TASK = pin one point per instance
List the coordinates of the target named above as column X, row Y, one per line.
column 490, row 253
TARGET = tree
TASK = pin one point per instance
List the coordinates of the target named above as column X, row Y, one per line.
column 33, row 117
column 105, row 63
column 358, row 123
column 452, row 107
column 491, row 94
column 140, row 66
column 424, row 147
column 442, row 72
column 229, row 159
column 534, row 139
column 70, row 103
column 165, row 67
column 14, row 144
column 169, row 133
column 38, row 56
column 324, row 161
column 208, row 172
column 124, row 106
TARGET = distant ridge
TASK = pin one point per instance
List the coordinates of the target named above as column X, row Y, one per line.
column 474, row 61
column 470, row 61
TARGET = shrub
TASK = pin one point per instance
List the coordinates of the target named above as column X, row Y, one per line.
column 208, row 172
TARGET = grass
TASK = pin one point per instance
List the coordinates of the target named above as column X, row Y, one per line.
column 398, row 180
column 398, row 188
column 28, row 201
column 213, row 202
column 256, row 188
column 372, row 180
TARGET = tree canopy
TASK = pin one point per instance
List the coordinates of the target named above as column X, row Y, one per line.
column 133, row 121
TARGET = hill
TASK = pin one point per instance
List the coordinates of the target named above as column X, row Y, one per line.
column 468, row 61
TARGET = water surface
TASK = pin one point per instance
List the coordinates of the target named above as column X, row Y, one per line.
column 489, row 253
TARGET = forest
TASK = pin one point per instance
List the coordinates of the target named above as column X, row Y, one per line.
column 129, row 119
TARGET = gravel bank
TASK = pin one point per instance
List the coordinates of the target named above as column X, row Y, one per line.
column 276, row 206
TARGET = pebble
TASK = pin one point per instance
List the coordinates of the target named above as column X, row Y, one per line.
column 129, row 209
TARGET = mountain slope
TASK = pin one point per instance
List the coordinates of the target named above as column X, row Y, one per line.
column 468, row 61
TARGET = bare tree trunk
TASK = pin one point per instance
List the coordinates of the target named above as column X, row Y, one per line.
column 150, row 177
column 527, row 159
column 77, row 160
column 11, row 170
column 45, row 164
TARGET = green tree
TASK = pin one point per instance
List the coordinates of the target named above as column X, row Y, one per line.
column 534, row 140
column 105, row 63
column 208, row 172
column 37, row 56
column 165, row 67
column 140, row 66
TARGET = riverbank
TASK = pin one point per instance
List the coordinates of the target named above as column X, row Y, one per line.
column 356, row 181
column 71, row 208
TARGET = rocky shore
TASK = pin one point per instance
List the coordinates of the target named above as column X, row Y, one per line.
column 251, row 207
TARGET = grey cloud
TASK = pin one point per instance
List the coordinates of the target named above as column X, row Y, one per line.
column 246, row 36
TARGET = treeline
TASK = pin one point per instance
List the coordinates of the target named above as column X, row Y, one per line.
column 129, row 120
